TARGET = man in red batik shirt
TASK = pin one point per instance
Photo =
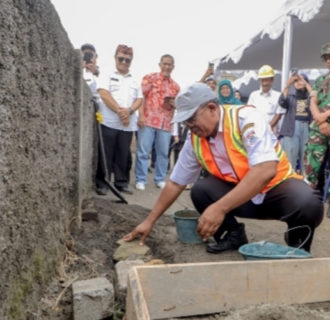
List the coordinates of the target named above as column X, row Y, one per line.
column 159, row 91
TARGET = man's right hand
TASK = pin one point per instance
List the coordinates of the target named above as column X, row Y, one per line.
column 168, row 195
column 90, row 66
column 142, row 230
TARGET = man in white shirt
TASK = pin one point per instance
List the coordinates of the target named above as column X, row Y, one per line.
column 122, row 96
column 90, row 68
column 90, row 75
column 250, row 175
column 266, row 99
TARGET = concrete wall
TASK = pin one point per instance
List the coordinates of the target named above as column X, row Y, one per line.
column 46, row 148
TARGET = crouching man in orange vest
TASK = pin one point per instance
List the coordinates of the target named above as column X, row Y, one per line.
column 249, row 175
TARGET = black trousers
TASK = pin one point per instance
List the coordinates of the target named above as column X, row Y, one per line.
column 292, row 202
column 117, row 147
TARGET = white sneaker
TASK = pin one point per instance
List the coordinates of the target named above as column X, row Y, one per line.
column 160, row 184
column 140, row 186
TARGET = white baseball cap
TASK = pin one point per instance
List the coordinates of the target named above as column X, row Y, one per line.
column 190, row 98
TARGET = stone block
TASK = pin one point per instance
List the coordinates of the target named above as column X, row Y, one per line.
column 129, row 249
column 122, row 268
column 93, row 299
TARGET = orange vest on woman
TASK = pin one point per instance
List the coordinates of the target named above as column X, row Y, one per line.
column 237, row 153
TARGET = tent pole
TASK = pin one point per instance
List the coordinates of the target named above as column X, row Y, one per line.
column 287, row 48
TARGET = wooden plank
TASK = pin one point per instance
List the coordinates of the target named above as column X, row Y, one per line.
column 165, row 291
column 136, row 308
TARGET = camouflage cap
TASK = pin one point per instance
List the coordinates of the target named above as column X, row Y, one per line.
column 325, row 49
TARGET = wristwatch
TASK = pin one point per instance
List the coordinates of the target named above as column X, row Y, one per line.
column 131, row 111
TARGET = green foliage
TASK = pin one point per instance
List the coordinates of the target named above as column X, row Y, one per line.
column 41, row 270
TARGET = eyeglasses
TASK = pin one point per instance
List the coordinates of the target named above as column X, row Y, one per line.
column 121, row 59
column 192, row 120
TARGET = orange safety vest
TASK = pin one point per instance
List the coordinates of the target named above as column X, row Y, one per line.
column 237, row 153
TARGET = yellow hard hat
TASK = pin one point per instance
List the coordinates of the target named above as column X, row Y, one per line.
column 266, row 71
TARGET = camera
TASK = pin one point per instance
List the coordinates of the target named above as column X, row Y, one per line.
column 211, row 67
column 294, row 71
column 88, row 56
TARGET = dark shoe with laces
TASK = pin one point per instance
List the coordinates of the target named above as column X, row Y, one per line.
column 101, row 191
column 126, row 190
column 231, row 241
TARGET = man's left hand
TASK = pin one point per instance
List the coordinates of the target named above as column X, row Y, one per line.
column 210, row 221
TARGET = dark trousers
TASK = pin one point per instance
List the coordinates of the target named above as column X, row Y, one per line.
column 292, row 202
column 117, row 147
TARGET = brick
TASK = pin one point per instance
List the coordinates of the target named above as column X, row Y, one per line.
column 122, row 268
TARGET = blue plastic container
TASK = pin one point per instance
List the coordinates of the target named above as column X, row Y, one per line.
column 186, row 224
column 265, row 250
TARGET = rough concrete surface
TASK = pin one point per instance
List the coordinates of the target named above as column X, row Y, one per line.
column 41, row 102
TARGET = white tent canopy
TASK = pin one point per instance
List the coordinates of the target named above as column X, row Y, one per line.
column 248, row 81
column 294, row 39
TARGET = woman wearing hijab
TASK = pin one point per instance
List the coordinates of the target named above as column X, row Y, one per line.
column 226, row 93
column 297, row 118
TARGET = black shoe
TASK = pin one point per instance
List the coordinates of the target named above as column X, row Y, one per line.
column 231, row 241
column 101, row 191
column 126, row 190
column 298, row 238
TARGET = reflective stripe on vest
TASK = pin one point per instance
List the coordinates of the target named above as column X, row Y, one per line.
column 237, row 153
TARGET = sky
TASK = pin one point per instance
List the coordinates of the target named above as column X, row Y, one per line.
column 193, row 31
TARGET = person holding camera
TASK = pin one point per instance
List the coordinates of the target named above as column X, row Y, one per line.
column 90, row 75
column 90, row 68
column 294, row 129
column 208, row 78
column 159, row 91
column 122, row 96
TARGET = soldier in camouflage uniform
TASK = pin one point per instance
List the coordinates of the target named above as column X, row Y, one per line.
column 318, row 142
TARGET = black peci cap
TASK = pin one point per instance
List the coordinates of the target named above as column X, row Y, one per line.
column 87, row 46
